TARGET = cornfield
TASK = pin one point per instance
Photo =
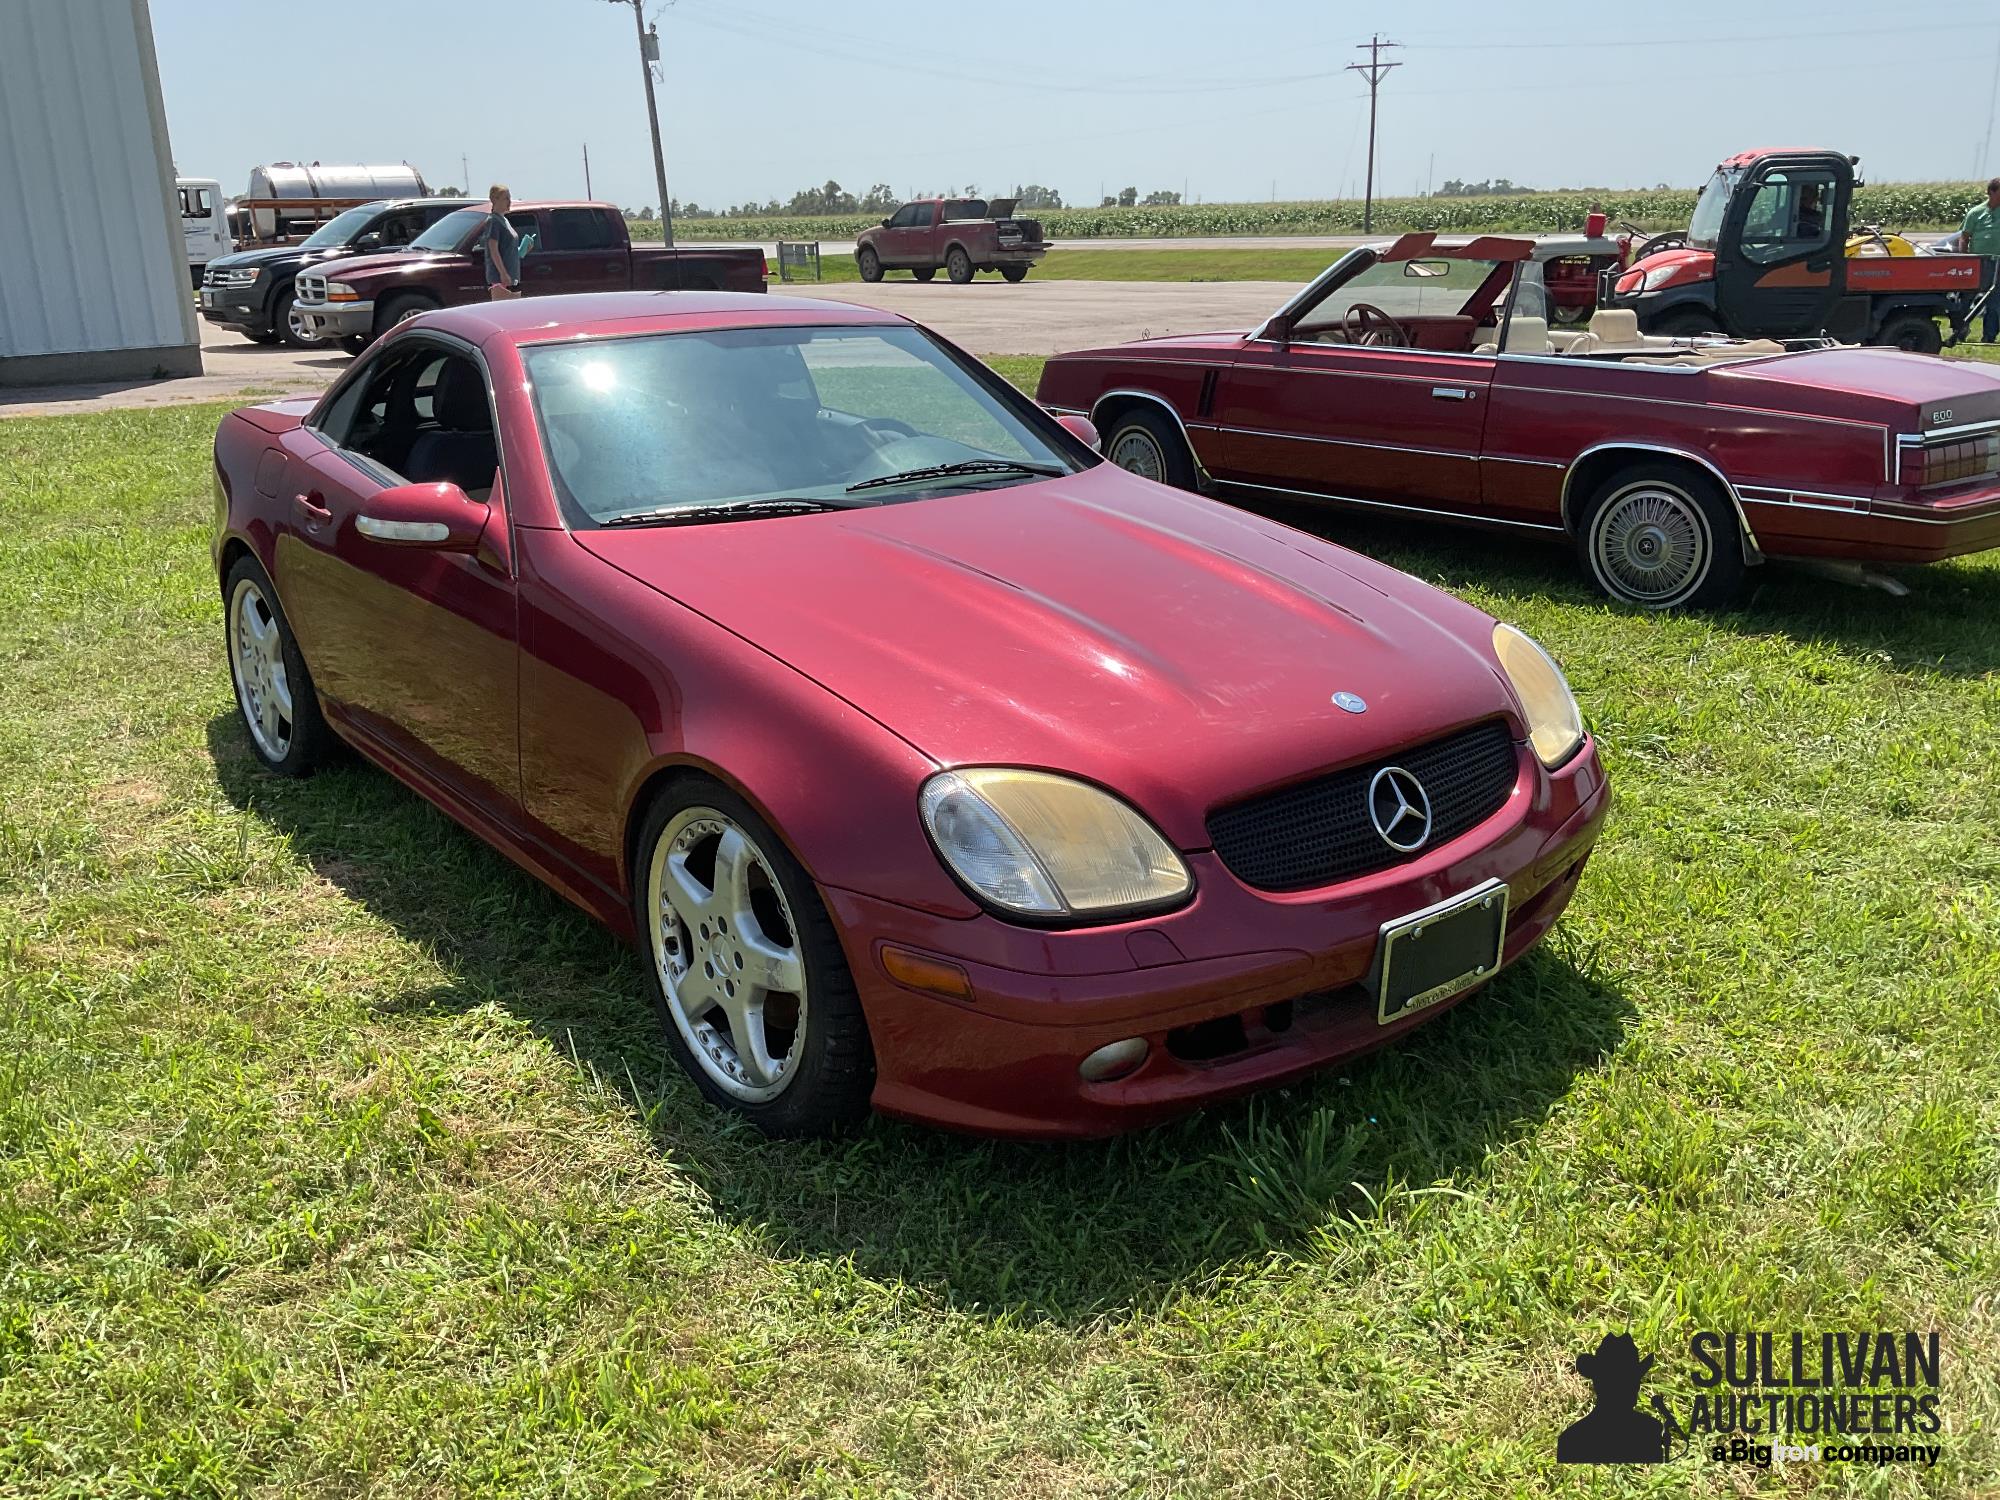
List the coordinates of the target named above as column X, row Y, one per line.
column 1893, row 205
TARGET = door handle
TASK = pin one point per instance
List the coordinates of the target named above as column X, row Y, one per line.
column 1453, row 393
column 309, row 506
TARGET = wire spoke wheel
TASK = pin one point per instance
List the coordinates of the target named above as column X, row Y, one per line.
column 1136, row 450
column 726, row 945
column 257, row 662
column 1651, row 544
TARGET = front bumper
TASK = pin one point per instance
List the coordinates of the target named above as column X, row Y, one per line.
column 237, row 307
column 1239, row 990
column 337, row 320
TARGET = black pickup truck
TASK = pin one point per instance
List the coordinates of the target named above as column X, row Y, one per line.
column 252, row 291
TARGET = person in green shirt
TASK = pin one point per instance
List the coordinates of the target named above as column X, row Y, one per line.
column 1981, row 236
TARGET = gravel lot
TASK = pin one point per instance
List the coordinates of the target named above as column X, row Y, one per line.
column 987, row 317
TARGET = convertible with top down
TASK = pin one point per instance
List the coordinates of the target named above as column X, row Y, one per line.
column 1424, row 378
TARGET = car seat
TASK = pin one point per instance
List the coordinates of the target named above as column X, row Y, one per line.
column 460, row 448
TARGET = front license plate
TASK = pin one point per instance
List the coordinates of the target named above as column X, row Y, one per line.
column 1432, row 954
column 208, row 299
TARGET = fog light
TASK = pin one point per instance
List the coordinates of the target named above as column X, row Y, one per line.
column 1113, row 1060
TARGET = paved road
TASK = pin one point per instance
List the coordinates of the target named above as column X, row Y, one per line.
column 986, row 317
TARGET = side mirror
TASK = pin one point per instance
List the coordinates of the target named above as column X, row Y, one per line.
column 439, row 516
column 885, row 223
column 372, row 240
column 1083, row 430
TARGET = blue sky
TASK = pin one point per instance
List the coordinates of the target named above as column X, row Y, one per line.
column 1230, row 100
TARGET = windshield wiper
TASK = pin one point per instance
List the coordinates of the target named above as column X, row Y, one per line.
column 683, row 515
column 966, row 466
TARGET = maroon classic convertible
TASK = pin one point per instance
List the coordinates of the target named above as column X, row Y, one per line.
column 930, row 759
column 1424, row 377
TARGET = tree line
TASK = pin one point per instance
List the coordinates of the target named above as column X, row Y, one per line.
column 830, row 199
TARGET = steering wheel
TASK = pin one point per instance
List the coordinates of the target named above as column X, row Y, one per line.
column 1366, row 323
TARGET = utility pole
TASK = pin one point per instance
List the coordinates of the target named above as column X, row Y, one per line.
column 649, row 53
column 1374, row 70
column 465, row 177
column 586, row 171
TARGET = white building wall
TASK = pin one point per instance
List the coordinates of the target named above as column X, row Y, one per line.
column 93, row 273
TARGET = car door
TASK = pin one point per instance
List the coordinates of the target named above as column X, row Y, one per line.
column 906, row 242
column 1780, row 261
column 415, row 649
column 584, row 252
column 1395, row 426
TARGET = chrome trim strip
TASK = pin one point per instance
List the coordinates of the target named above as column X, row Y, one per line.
column 1857, row 502
column 1963, row 429
column 1478, row 378
column 1201, row 472
column 1469, row 516
column 1751, row 549
column 1898, row 511
column 1538, row 463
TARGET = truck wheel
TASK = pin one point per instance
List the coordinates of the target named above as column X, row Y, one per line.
column 400, row 309
column 1014, row 273
column 1685, row 323
column 1662, row 536
column 923, row 273
column 869, row 263
column 289, row 325
column 958, row 265
column 1145, row 443
column 1914, row 331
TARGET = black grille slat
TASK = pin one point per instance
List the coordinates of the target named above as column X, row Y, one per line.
column 1318, row 832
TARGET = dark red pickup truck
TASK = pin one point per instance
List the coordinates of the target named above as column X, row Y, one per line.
column 963, row 235
column 565, row 247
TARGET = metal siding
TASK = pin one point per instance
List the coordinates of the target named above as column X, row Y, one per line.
column 90, row 254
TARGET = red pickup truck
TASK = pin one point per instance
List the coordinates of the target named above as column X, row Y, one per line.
column 565, row 247
column 963, row 235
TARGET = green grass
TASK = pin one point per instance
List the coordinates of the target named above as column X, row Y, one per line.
column 339, row 1157
column 1138, row 265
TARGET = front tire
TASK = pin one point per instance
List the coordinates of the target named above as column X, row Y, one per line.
column 869, row 264
column 400, row 309
column 1913, row 331
column 274, row 691
column 289, row 325
column 745, row 967
column 1145, row 443
column 355, row 343
column 1662, row 537
column 958, row 265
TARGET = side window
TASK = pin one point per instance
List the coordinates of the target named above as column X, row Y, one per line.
column 1789, row 215
column 529, row 229
column 196, row 203
column 912, row 216
column 578, row 229
column 400, row 228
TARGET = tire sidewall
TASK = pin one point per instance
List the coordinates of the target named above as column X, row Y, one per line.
column 958, row 265
column 869, row 263
column 309, row 733
column 1720, row 578
column 1176, row 463
column 816, row 1101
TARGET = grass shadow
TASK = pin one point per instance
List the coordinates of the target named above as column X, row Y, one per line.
column 1062, row 1232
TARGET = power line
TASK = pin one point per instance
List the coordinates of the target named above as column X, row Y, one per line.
column 1374, row 70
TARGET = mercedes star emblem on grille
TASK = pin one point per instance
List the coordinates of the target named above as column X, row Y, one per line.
column 1354, row 703
column 1400, row 809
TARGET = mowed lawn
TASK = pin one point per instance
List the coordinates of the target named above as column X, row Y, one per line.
column 339, row 1157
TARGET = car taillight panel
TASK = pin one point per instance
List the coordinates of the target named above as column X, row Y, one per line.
column 1956, row 461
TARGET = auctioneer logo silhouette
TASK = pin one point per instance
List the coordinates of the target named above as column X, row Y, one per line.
column 1614, row 1431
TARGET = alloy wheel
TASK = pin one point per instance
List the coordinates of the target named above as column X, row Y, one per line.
column 727, row 950
column 257, row 662
column 1651, row 544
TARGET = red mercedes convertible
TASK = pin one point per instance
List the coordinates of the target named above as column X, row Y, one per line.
column 1424, row 378
column 931, row 761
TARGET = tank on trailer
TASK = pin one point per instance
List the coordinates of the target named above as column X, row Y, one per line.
column 317, row 183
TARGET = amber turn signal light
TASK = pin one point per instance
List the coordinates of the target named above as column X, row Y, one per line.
column 931, row 975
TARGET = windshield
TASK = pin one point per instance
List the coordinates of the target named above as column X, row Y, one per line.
column 450, row 231
column 686, row 421
column 341, row 228
column 1706, row 225
column 1404, row 289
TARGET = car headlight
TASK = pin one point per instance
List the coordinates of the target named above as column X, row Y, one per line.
column 1042, row 845
column 1555, row 725
column 1660, row 276
column 340, row 291
column 247, row 276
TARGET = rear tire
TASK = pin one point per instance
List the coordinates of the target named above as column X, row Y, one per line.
column 869, row 264
column 1914, row 331
column 748, row 975
column 1144, row 442
column 400, row 309
column 1660, row 536
column 958, row 265
column 1014, row 273
column 923, row 273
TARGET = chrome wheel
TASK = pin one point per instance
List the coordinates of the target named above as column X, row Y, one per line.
column 257, row 662
column 1651, row 544
column 727, row 950
column 302, row 332
column 1138, row 450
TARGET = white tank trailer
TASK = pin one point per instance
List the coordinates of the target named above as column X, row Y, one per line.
column 367, row 182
